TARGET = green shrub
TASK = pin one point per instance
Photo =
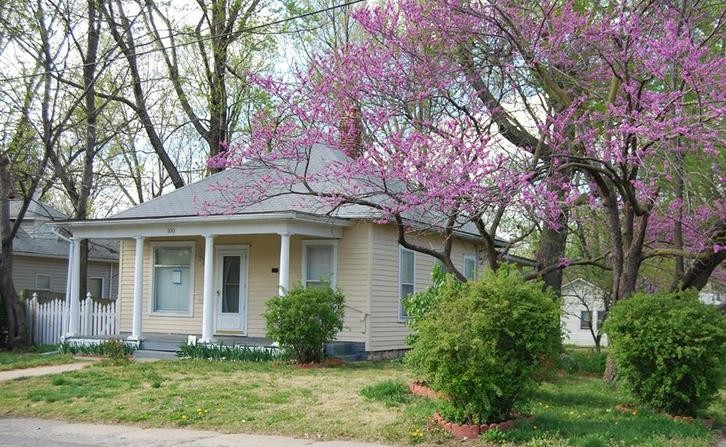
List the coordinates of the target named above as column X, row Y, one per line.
column 304, row 319
column 232, row 353
column 418, row 304
column 483, row 343
column 670, row 350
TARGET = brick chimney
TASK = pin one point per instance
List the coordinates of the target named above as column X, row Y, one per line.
column 351, row 131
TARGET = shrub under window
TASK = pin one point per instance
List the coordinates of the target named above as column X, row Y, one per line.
column 670, row 349
column 484, row 344
column 304, row 319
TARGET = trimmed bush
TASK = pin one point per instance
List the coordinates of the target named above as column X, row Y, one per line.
column 304, row 319
column 484, row 343
column 670, row 350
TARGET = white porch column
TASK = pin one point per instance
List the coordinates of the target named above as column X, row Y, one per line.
column 208, row 307
column 138, row 289
column 69, row 281
column 284, row 283
column 74, row 320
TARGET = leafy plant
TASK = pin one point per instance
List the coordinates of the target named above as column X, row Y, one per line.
column 670, row 350
column 232, row 353
column 304, row 319
column 418, row 304
column 117, row 350
column 484, row 343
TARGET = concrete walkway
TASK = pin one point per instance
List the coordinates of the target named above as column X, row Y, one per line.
column 18, row 432
column 41, row 371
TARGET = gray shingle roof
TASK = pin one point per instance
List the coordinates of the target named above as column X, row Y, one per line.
column 49, row 244
column 35, row 210
column 214, row 195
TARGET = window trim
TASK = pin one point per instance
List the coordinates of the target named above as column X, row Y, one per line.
column 152, row 265
column 304, row 265
column 103, row 286
column 50, row 283
column 402, row 318
column 476, row 266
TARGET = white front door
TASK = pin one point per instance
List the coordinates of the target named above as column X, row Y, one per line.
column 231, row 289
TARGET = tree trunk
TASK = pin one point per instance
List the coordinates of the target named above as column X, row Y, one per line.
column 14, row 309
column 611, row 373
column 550, row 252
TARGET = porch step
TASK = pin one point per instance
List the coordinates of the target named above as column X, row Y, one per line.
column 157, row 355
column 160, row 345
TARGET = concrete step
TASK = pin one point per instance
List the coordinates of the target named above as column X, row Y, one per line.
column 156, row 355
column 160, row 345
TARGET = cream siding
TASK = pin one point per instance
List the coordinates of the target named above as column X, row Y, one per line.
column 387, row 332
column 264, row 252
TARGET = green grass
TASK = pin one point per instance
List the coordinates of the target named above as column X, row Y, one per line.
column 362, row 401
column 21, row 360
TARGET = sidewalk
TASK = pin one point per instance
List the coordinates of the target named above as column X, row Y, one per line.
column 41, row 371
column 16, row 432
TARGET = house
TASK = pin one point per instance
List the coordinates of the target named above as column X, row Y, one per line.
column 210, row 276
column 584, row 310
column 40, row 256
column 583, row 313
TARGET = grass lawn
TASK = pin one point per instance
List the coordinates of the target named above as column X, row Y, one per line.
column 365, row 401
column 20, row 360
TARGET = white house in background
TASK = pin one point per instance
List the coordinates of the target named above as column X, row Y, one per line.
column 40, row 256
column 583, row 312
column 211, row 275
column 584, row 308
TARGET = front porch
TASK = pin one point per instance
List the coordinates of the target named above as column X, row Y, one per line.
column 207, row 276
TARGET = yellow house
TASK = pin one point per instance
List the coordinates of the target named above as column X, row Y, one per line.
column 184, row 274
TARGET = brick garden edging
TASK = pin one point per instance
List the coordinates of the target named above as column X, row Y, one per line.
column 422, row 390
column 459, row 430
column 471, row 430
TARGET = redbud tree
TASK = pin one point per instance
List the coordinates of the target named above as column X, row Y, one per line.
column 511, row 116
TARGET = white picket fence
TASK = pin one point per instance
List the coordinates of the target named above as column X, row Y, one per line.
column 48, row 321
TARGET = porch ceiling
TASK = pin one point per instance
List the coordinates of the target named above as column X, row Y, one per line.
column 268, row 223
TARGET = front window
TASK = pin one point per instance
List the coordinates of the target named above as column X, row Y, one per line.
column 319, row 264
column 406, row 279
column 172, row 279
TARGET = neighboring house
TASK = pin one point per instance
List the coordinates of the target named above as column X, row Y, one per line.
column 40, row 256
column 584, row 307
column 211, row 275
column 583, row 313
